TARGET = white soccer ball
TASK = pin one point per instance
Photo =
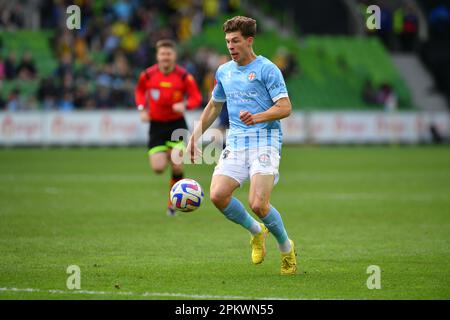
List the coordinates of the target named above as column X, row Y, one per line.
column 186, row 195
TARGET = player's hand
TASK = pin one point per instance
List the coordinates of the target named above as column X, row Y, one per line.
column 247, row 118
column 193, row 152
column 144, row 116
column 179, row 107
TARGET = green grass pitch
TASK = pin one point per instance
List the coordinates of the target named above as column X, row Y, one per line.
column 345, row 207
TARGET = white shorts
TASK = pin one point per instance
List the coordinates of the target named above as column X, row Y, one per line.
column 242, row 164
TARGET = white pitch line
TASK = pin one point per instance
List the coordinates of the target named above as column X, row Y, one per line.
column 145, row 294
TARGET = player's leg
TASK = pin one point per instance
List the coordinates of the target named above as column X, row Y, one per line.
column 221, row 194
column 229, row 174
column 264, row 164
column 261, row 186
column 157, row 149
column 175, row 156
column 174, row 133
column 176, row 160
column 158, row 159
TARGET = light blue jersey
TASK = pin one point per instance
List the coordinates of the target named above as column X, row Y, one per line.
column 254, row 87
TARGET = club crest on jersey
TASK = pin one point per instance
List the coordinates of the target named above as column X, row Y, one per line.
column 154, row 93
column 251, row 76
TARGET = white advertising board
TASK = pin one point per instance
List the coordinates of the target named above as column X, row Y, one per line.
column 125, row 127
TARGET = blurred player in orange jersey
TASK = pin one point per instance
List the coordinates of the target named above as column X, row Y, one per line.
column 163, row 92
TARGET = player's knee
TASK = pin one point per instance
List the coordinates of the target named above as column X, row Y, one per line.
column 157, row 169
column 260, row 208
column 218, row 199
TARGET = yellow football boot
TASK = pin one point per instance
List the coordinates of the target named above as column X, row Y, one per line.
column 289, row 261
column 258, row 243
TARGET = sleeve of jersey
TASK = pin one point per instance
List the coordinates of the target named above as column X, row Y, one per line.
column 218, row 94
column 140, row 91
column 275, row 83
column 194, row 94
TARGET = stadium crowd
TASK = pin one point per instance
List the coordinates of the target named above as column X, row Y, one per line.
column 399, row 24
column 97, row 66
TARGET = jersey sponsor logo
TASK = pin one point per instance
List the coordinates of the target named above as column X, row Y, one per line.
column 165, row 84
column 251, row 76
column 155, row 94
column 242, row 94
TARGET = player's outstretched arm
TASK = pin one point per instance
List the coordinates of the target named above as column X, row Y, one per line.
column 209, row 115
column 281, row 109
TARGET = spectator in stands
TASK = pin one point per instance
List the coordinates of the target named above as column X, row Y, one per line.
column 386, row 97
column 123, row 10
column 14, row 102
column 385, row 33
column 81, row 96
column 2, row 103
column 439, row 19
column 150, row 20
column 399, row 24
column 31, row 103
column 110, row 27
column 80, row 48
column 64, row 43
column 145, row 53
column 104, row 78
column 11, row 66
column 211, row 10
column 408, row 38
column 111, row 42
column 120, row 65
column 286, row 61
column 51, row 12
column 68, row 84
column 90, row 103
column 11, row 16
column 369, row 94
column 66, row 103
column 65, row 66
column 103, row 98
column 86, row 71
column 47, row 93
column 2, row 69
column 26, row 69
column 187, row 63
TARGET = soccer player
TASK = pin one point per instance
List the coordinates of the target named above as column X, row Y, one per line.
column 161, row 99
column 257, row 98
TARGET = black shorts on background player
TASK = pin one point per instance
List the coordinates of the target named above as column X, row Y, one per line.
column 160, row 135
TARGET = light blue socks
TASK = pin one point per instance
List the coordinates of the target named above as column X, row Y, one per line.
column 274, row 223
column 236, row 212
